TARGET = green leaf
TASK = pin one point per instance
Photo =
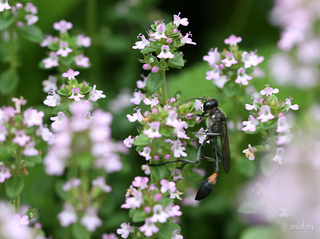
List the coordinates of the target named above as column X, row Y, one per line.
column 191, row 153
column 6, row 18
column 261, row 232
column 35, row 159
column 142, row 140
column 79, row 231
column 32, row 33
column 268, row 166
column 246, row 167
column 155, row 81
column 166, row 229
column 14, row 186
column 166, row 131
column 8, row 81
column 268, row 125
column 177, row 61
column 29, row 164
column 147, row 50
column 230, row 89
column 63, row 92
column 139, row 216
column 86, row 89
column 159, row 172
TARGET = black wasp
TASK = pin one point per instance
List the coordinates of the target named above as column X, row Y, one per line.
column 216, row 127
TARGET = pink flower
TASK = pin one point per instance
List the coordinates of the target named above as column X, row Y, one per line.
column 251, row 59
column 140, row 182
column 146, row 153
column 32, row 117
column 293, row 107
column 50, row 84
column 101, row 183
column 3, row 133
column 165, row 52
column 62, row 26
column 72, row 183
column 242, row 77
column 149, row 228
column 268, row 91
column 229, row 60
column 30, row 150
column 64, row 49
column 265, row 114
column 176, row 148
column 4, row 5
column 250, row 125
column 177, row 20
column 135, row 201
column 137, row 97
column 159, row 215
column 232, row 40
column 21, row 138
column 58, row 121
column 4, row 173
column 214, row 73
column 136, row 116
column 52, row 99
column 90, row 220
column 282, row 125
column 167, row 186
column 76, row 95
column 153, row 102
column 160, row 32
column 153, row 131
column 48, row 39
column 141, row 44
column 51, row 61
column 249, row 152
column 128, row 142
column 82, row 60
column 68, row 216
column 95, row 94
column 278, row 157
column 83, row 41
column 70, row 74
column 213, row 57
column 125, row 230
column 187, row 40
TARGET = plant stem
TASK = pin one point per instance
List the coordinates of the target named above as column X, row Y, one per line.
column 163, row 91
column 18, row 164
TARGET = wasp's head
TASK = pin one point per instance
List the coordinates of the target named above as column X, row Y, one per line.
column 210, row 105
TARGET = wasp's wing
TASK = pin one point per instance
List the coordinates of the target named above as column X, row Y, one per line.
column 225, row 152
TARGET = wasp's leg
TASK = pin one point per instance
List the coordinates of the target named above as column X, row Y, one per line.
column 208, row 185
column 199, row 156
column 215, row 148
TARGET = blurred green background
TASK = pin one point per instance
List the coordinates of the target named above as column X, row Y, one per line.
column 113, row 26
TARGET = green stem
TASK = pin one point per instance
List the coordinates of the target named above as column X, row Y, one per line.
column 18, row 164
column 164, row 90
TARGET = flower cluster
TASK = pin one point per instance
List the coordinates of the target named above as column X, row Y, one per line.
column 83, row 145
column 14, row 225
column 269, row 117
column 70, row 92
column 163, row 41
column 82, row 135
column 163, row 136
column 27, row 13
column 151, row 206
column 20, row 131
column 282, row 200
column 65, row 51
column 231, row 65
column 299, row 43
